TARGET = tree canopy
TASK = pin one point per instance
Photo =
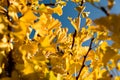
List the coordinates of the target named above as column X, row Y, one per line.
column 34, row 46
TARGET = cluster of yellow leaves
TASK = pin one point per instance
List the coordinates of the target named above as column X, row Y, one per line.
column 53, row 53
column 29, row 56
column 111, row 23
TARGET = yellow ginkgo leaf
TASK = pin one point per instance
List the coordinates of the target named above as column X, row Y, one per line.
column 52, row 76
column 80, row 9
column 61, row 3
column 58, row 10
column 59, row 77
column 85, row 14
column 28, row 17
column 22, row 30
column 67, row 64
column 43, row 8
column 88, row 21
column 31, row 47
column 62, row 36
column 45, row 42
column 108, row 52
column 110, row 3
column 75, row 23
column 104, row 45
column 54, row 24
column 46, row 24
column 117, row 78
column 40, row 28
column 118, row 66
column 76, row 1
column 43, row 19
column 28, row 68
column 2, row 27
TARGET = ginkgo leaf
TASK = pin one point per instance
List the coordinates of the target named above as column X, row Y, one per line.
column 110, row 3
column 61, row 3
column 2, row 9
column 3, row 3
column 2, row 56
column 85, row 14
column 46, row 42
column 103, row 36
column 58, row 10
column 45, row 9
column 13, row 12
column 118, row 66
column 76, row 1
column 108, row 52
column 80, row 9
column 86, row 35
column 27, row 68
column 28, row 17
column 23, row 27
column 62, row 36
column 31, row 47
column 43, row 27
column 21, row 8
column 59, row 77
column 43, row 18
column 49, row 54
column 2, row 27
column 67, row 64
column 109, row 23
column 75, row 23
column 88, row 21
column 117, row 77
column 52, row 76
column 40, row 29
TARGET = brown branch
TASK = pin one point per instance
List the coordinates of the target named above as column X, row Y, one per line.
column 75, row 33
column 82, row 2
column 102, row 9
column 50, row 4
column 83, row 63
column 105, row 11
column 73, row 42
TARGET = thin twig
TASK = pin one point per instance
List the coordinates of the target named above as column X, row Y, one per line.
column 102, row 9
column 105, row 11
column 83, row 63
column 50, row 4
column 82, row 2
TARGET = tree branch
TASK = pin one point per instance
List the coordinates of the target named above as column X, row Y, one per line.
column 82, row 2
column 83, row 63
column 50, row 4
column 105, row 11
column 102, row 9
column 75, row 33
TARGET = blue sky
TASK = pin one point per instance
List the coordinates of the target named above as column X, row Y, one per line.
column 68, row 10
